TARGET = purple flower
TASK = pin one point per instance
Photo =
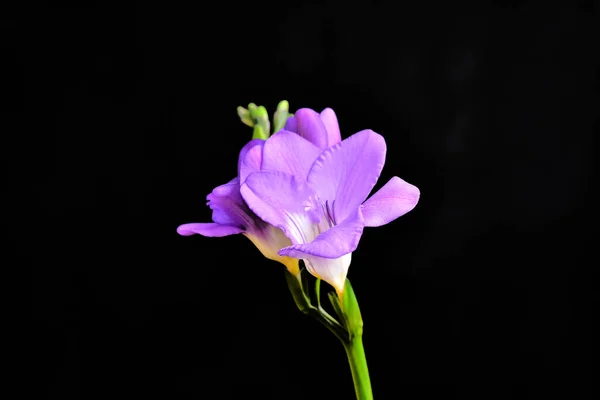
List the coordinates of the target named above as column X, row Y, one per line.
column 313, row 187
column 231, row 215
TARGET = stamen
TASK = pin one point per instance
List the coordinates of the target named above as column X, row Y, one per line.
column 333, row 212
column 329, row 214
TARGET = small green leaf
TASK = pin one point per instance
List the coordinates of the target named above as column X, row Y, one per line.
column 318, row 292
column 351, row 310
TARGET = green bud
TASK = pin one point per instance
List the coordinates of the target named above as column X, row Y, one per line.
column 261, row 116
column 260, row 132
column 244, row 115
column 251, row 108
column 281, row 115
column 283, row 105
column 259, row 113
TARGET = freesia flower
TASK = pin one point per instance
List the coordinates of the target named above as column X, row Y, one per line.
column 231, row 216
column 303, row 194
column 313, row 187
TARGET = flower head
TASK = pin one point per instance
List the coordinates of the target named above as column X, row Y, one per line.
column 313, row 187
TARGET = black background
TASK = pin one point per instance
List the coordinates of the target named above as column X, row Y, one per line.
column 128, row 116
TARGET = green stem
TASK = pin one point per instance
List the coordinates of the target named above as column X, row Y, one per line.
column 358, row 366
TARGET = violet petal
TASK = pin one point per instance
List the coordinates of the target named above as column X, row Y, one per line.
column 291, row 125
column 311, row 127
column 250, row 158
column 282, row 201
column 393, row 200
column 288, row 152
column 208, row 229
column 344, row 174
column 332, row 243
column 331, row 125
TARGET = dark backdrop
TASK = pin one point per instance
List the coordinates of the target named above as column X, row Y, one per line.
column 128, row 113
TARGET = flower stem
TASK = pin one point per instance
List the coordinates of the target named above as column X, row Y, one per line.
column 358, row 366
column 349, row 330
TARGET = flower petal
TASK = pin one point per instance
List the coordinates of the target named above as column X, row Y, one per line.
column 332, row 243
column 250, row 158
column 331, row 270
column 311, row 127
column 291, row 125
column 225, row 202
column 393, row 200
column 208, row 229
column 344, row 174
column 284, row 202
column 229, row 208
column 269, row 241
column 331, row 125
column 229, row 189
column 288, row 152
